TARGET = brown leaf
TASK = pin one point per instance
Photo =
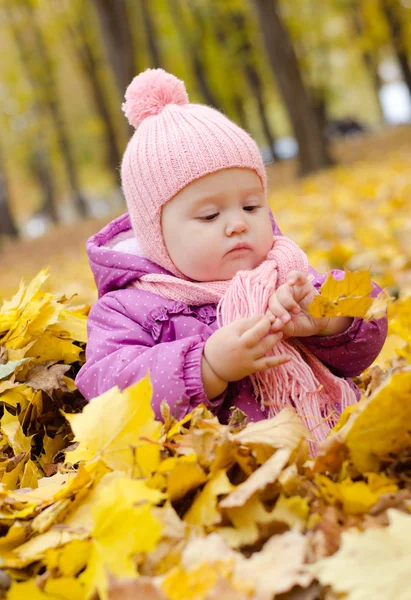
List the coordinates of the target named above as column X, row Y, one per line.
column 373, row 379
column 298, row 593
column 3, row 355
column 12, row 463
column 141, row 589
column 395, row 500
column 325, row 539
column 237, row 421
column 166, row 417
column 47, row 376
column 223, row 590
column 331, row 454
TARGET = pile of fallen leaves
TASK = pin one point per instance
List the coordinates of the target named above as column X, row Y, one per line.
column 110, row 503
column 41, row 349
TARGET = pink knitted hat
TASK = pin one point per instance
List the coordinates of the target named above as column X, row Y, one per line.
column 175, row 143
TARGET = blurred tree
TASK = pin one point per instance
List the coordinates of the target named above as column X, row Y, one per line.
column 118, row 40
column 308, row 131
column 394, row 13
column 232, row 28
column 81, row 28
column 368, row 51
column 7, row 225
column 193, row 39
column 152, row 38
column 41, row 168
column 307, row 24
column 40, row 162
column 23, row 19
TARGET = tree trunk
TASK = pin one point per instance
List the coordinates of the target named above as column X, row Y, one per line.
column 369, row 61
column 7, row 225
column 42, row 171
column 41, row 164
column 118, row 40
column 313, row 151
column 254, row 79
column 193, row 49
column 90, row 65
column 257, row 88
column 151, row 35
column 243, row 62
column 45, row 85
column 398, row 39
column 240, row 110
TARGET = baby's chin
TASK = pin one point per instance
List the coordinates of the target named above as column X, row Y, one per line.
column 238, row 265
column 226, row 271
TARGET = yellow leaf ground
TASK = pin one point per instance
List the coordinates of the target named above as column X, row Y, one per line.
column 88, row 510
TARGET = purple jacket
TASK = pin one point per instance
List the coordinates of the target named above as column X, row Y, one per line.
column 131, row 331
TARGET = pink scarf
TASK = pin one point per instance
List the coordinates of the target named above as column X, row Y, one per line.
column 304, row 382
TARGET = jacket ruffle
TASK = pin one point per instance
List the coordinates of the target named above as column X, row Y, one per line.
column 156, row 319
column 206, row 314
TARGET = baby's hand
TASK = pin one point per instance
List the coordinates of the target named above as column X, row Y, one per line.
column 238, row 349
column 288, row 308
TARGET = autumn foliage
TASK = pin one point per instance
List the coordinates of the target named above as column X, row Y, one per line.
column 106, row 502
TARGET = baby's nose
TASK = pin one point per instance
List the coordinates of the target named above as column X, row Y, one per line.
column 237, row 226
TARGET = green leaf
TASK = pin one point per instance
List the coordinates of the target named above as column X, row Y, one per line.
column 10, row 367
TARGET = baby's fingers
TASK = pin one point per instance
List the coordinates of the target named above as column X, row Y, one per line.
column 267, row 343
column 297, row 278
column 281, row 303
column 268, row 362
column 258, row 327
column 277, row 324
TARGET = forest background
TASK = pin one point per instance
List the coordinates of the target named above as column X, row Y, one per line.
column 295, row 73
column 196, row 509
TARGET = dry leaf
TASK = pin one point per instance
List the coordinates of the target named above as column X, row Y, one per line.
column 373, row 564
column 348, row 297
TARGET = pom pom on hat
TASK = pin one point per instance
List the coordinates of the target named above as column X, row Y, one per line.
column 150, row 92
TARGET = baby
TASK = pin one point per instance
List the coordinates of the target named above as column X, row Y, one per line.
column 197, row 284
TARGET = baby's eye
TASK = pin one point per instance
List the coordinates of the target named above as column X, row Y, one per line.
column 250, row 208
column 209, row 217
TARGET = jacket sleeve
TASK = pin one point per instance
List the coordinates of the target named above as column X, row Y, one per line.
column 347, row 354
column 119, row 352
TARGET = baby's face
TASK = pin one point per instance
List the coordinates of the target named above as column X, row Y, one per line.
column 202, row 224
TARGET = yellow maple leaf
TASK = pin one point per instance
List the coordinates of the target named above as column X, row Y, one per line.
column 356, row 497
column 32, row 321
column 196, row 583
column 204, row 510
column 35, row 548
column 120, row 428
column 348, row 297
column 11, row 428
column 65, row 588
column 71, row 325
column 10, row 309
column 123, row 524
column 293, row 511
column 49, row 347
column 381, row 424
column 183, row 475
column 70, row 559
column 30, row 476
